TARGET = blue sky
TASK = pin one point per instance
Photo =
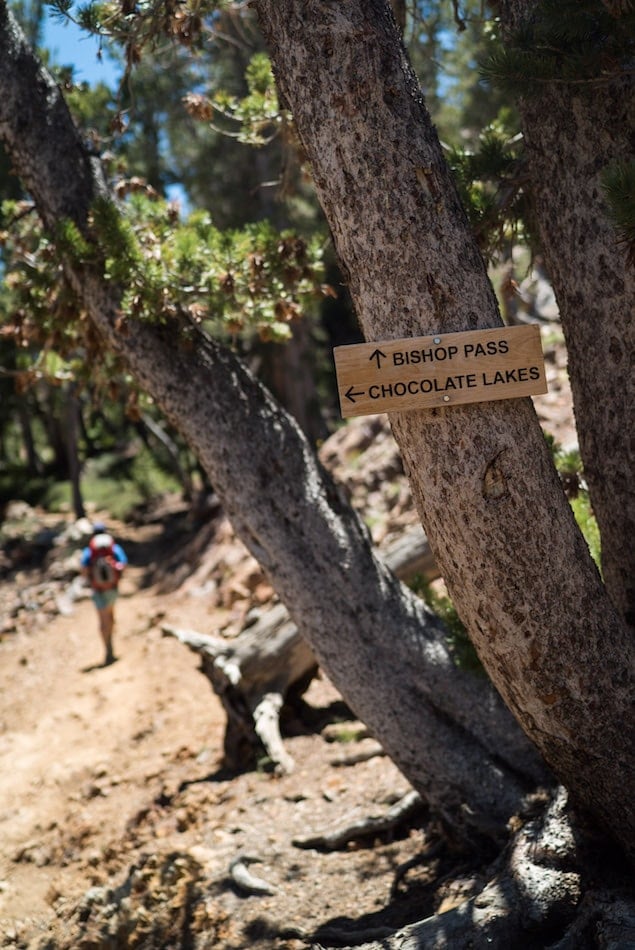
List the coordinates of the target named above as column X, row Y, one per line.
column 71, row 46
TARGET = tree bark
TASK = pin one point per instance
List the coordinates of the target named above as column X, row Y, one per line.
column 378, row 643
column 573, row 132
column 485, row 487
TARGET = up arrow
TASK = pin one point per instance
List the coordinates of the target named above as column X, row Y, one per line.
column 350, row 394
column 377, row 355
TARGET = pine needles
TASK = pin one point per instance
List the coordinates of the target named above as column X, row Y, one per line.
column 567, row 41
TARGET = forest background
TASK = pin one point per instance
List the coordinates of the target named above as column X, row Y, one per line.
column 258, row 272
column 205, row 132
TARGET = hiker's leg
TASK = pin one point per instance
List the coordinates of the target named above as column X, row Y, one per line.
column 106, row 626
column 104, row 601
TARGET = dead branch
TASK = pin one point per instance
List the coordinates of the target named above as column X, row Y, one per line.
column 253, row 675
column 245, row 880
column 406, row 808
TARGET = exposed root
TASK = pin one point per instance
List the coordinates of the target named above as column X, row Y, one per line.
column 534, row 891
column 407, row 806
column 364, row 756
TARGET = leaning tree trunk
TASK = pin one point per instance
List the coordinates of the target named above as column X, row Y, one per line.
column 572, row 133
column 447, row 730
column 485, row 486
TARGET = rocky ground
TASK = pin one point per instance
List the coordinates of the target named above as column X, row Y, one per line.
column 119, row 826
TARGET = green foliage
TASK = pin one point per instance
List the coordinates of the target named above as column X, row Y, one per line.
column 444, row 55
column 253, row 280
column 118, row 242
column 15, row 484
column 122, row 494
column 62, row 9
column 109, row 483
column 92, row 17
column 93, row 107
column 565, row 41
column 346, row 733
column 477, row 123
column 239, row 283
column 257, row 114
column 585, row 519
column 459, row 643
column 135, row 27
column 119, row 498
column 149, row 477
column 618, row 183
column 38, row 309
column 569, row 467
column 70, row 242
column 491, row 181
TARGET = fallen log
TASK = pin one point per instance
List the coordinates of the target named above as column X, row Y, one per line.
column 253, row 675
column 409, row 556
column 269, row 664
column 476, row 767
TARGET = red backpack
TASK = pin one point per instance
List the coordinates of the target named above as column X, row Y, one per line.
column 104, row 569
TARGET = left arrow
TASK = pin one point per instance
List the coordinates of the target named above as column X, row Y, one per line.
column 350, row 394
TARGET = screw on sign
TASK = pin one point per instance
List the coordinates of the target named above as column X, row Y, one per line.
column 440, row 370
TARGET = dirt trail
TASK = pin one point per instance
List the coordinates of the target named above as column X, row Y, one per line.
column 102, row 766
column 77, row 738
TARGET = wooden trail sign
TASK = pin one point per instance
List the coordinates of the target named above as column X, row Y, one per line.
column 442, row 370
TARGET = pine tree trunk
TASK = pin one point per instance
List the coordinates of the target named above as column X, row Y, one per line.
column 487, row 493
column 572, row 133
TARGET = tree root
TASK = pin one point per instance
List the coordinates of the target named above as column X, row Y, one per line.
column 365, row 755
column 534, row 891
column 407, row 806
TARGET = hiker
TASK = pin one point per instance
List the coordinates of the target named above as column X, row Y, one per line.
column 102, row 563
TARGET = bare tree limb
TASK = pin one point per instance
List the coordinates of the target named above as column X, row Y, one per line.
column 406, row 808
